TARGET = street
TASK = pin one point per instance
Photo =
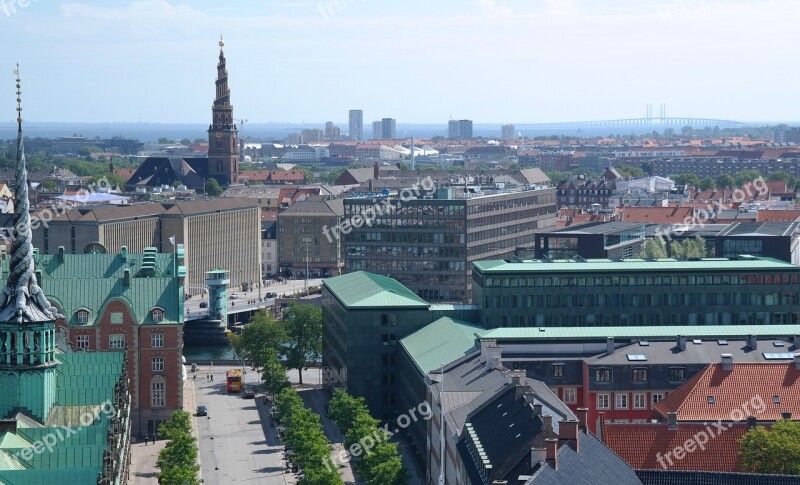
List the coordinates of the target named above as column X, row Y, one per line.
column 289, row 287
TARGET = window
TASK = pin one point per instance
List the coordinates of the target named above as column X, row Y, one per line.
column 158, row 364
column 570, row 395
column 116, row 341
column 621, row 401
column 657, row 397
column 639, row 375
column 602, row 375
column 82, row 342
column 157, row 392
column 82, row 316
column 640, row 401
column 558, row 370
column 157, row 340
column 158, row 315
column 603, row 401
column 676, row 374
column 116, row 318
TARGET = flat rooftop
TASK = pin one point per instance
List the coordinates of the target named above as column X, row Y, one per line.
column 750, row 263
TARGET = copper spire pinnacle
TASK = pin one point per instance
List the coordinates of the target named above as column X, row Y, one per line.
column 22, row 299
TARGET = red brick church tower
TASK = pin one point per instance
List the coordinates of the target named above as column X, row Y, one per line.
column 223, row 145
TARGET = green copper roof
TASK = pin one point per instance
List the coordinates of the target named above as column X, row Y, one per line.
column 607, row 265
column 666, row 332
column 85, row 281
column 367, row 290
column 85, row 379
column 442, row 341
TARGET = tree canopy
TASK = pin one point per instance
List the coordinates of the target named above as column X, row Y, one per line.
column 772, row 451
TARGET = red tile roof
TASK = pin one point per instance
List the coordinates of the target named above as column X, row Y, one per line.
column 641, row 445
column 788, row 215
column 745, row 386
column 658, row 215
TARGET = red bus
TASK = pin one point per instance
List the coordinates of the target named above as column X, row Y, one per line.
column 233, row 380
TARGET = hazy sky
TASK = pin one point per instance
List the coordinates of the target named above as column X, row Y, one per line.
column 492, row 61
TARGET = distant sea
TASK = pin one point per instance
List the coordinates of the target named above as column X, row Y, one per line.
column 151, row 132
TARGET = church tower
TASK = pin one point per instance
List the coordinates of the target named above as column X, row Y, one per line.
column 27, row 320
column 223, row 144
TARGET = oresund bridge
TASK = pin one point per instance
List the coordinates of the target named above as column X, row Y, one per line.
column 655, row 123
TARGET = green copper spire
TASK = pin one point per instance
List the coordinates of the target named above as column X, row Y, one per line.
column 22, row 300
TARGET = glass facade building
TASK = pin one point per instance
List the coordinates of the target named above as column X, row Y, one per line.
column 428, row 244
column 743, row 291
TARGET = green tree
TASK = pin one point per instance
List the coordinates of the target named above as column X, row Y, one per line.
column 178, row 424
column 383, row 466
column 705, row 183
column 112, row 179
column 273, row 373
column 303, row 327
column 688, row 248
column 725, row 180
column 785, row 176
column 629, row 171
column 363, row 425
column 212, row 187
column 746, row 176
column 344, row 409
column 773, row 451
column 178, row 459
column 48, row 185
column 180, row 451
column 262, row 334
column 165, row 141
column 654, row 248
column 687, row 179
column 179, row 475
column 687, row 130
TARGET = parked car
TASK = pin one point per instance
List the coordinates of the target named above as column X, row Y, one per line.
column 272, row 294
column 248, row 394
column 203, row 304
column 234, row 296
column 201, row 410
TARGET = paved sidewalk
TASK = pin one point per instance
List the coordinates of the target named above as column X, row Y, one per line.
column 144, row 457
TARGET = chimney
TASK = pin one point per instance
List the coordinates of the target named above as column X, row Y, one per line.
column 681, row 342
column 583, row 417
column 538, row 455
column 124, row 253
column 376, row 171
column 529, row 395
column 371, row 186
column 490, row 354
column 796, row 361
column 727, row 361
column 672, row 420
column 61, row 254
column 751, row 422
column 568, row 433
column 516, row 377
column 752, row 342
column 547, row 422
column 610, row 345
column 786, row 415
column 551, row 452
column 126, row 278
column 537, row 409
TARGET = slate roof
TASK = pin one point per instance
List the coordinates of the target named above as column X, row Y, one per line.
column 709, row 351
column 442, row 341
column 316, row 207
column 593, row 464
column 368, row 290
column 639, row 332
column 157, row 171
column 733, row 389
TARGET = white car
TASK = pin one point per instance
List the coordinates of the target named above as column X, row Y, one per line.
column 234, row 296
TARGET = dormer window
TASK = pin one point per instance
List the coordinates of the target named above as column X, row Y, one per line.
column 82, row 317
column 158, row 315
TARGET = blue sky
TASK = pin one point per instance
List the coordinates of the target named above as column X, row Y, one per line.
column 493, row 61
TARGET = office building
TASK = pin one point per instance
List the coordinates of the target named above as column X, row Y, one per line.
column 307, row 244
column 787, row 135
column 356, row 118
column 311, row 135
column 507, row 132
column 614, row 240
column 332, row 132
column 459, row 129
column 388, row 128
column 429, row 242
column 540, row 293
column 223, row 232
column 377, row 130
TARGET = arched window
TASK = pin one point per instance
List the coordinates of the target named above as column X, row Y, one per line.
column 82, row 317
column 158, row 315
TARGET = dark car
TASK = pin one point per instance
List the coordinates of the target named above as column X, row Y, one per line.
column 201, row 410
column 272, row 294
column 203, row 304
column 248, row 394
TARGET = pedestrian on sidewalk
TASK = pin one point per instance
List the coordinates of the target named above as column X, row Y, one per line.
column 212, row 377
column 146, row 439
